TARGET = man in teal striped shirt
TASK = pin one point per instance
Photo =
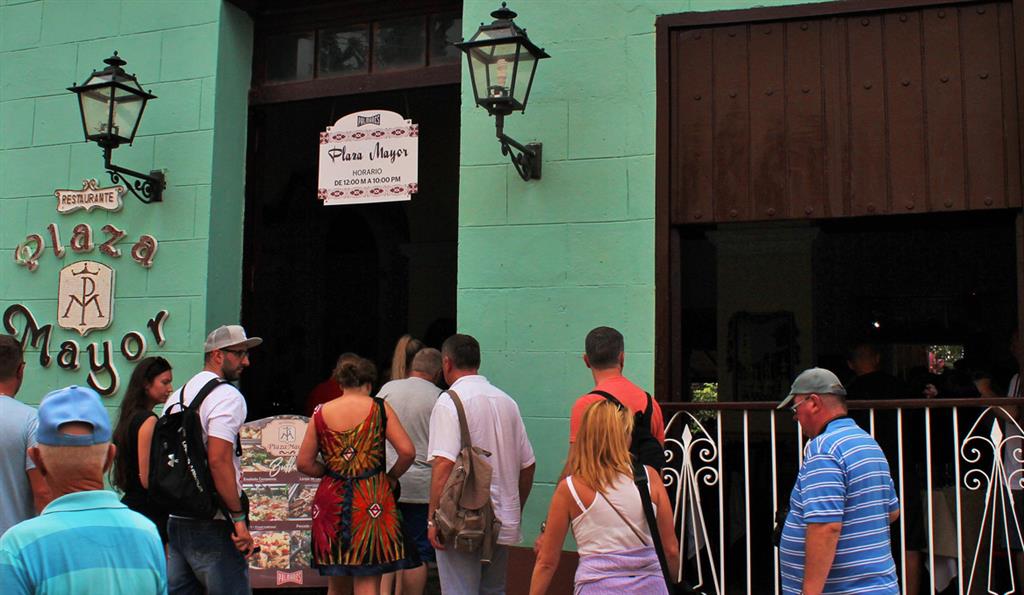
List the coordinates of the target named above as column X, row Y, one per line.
column 85, row 541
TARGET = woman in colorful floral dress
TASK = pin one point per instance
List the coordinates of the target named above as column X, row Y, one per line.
column 357, row 528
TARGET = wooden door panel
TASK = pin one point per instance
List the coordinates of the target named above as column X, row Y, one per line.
column 731, row 124
column 905, row 110
column 768, row 93
column 805, row 119
column 983, row 110
column 905, row 106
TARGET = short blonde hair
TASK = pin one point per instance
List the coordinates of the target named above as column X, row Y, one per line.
column 601, row 450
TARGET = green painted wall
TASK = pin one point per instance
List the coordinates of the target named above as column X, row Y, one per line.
column 195, row 56
column 543, row 262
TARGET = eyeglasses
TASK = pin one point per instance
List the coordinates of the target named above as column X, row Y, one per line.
column 240, row 353
column 796, row 406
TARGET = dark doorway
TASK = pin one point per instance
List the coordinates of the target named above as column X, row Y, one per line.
column 760, row 302
column 320, row 280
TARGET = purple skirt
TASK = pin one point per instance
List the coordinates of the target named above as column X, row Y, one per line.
column 632, row 571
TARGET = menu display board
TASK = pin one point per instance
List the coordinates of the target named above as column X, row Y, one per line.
column 280, row 500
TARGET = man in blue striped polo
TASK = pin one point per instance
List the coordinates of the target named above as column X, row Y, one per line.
column 85, row 541
column 836, row 536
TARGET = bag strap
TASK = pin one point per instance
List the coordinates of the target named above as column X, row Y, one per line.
column 383, row 413
column 643, row 485
column 608, row 396
column 639, row 534
column 463, row 424
column 204, row 392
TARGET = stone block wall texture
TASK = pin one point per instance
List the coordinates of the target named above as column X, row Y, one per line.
column 195, row 55
column 543, row 262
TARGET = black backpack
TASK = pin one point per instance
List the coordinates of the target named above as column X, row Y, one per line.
column 179, row 473
column 645, row 447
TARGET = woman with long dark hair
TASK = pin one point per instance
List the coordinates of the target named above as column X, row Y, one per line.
column 149, row 386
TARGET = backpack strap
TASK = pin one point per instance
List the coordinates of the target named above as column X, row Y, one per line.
column 463, row 423
column 607, row 396
column 643, row 486
column 383, row 413
column 204, row 392
column 649, row 411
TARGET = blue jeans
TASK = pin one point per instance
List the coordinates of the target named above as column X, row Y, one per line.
column 463, row 574
column 203, row 559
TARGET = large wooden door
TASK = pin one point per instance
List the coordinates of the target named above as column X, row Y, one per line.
column 840, row 109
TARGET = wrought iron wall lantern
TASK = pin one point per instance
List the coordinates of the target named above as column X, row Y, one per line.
column 502, row 62
column 112, row 102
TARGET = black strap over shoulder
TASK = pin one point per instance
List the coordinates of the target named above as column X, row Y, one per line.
column 643, row 486
column 608, row 396
column 383, row 413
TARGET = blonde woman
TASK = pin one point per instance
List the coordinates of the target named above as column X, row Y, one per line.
column 601, row 503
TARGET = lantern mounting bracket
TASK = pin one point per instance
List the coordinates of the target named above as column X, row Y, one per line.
column 525, row 158
column 146, row 188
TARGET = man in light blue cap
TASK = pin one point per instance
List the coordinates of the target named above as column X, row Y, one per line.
column 85, row 541
column 836, row 536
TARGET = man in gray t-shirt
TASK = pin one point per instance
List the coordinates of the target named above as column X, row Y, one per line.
column 24, row 490
column 412, row 400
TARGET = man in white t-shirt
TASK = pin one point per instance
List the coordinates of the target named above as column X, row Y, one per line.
column 496, row 426
column 210, row 555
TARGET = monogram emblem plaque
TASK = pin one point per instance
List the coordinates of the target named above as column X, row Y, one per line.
column 85, row 296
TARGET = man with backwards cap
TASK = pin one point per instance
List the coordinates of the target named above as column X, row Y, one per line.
column 85, row 541
column 836, row 536
column 209, row 555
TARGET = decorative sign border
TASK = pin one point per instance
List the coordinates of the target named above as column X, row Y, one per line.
column 90, row 197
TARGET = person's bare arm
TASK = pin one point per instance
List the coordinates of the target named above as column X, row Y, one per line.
column 220, row 454
column 526, row 484
column 306, row 461
column 666, row 526
column 554, row 537
column 40, row 490
column 441, row 469
column 145, row 442
column 402, row 444
column 893, row 516
column 819, row 552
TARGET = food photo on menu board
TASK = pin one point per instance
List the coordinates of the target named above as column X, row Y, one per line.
column 280, row 503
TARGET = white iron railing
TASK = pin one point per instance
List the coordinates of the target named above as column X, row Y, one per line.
column 731, row 465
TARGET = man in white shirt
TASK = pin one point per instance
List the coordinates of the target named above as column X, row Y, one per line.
column 496, row 426
column 210, row 555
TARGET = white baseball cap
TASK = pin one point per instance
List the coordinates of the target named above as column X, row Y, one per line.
column 231, row 335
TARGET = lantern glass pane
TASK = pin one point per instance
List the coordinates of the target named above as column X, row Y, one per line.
column 479, row 61
column 524, row 72
column 95, row 105
column 497, row 62
column 127, row 110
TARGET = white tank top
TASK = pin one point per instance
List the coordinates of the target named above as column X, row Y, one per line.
column 599, row 529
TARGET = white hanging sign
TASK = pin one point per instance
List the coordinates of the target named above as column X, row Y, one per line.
column 90, row 197
column 369, row 156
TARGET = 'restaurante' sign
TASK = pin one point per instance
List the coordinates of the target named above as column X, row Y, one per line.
column 369, row 156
